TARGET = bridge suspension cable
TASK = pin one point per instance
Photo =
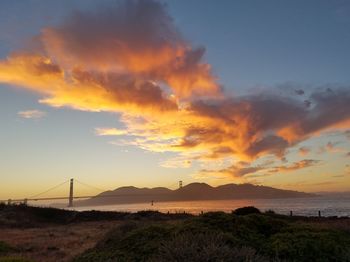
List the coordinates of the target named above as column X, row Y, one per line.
column 48, row 190
column 71, row 196
column 90, row 186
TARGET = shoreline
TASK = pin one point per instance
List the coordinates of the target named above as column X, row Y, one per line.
column 328, row 206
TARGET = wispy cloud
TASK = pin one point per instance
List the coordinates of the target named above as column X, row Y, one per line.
column 106, row 131
column 304, row 183
column 178, row 162
column 29, row 114
column 304, row 151
column 330, row 147
column 295, row 166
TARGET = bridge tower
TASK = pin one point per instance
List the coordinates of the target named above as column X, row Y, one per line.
column 180, row 184
column 70, row 203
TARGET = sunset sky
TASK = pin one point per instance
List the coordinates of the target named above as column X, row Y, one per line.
column 147, row 93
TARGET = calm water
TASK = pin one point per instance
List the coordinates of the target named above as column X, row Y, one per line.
column 299, row 206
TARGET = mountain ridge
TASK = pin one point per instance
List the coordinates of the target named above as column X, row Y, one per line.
column 190, row 192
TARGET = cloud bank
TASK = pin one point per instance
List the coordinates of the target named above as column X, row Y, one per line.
column 131, row 59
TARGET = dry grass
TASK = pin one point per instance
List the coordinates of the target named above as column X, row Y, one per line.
column 55, row 243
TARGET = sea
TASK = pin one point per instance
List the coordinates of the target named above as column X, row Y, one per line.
column 328, row 206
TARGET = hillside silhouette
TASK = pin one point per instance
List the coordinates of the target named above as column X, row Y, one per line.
column 193, row 191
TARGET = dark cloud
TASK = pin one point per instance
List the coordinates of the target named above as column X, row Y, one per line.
column 127, row 89
column 331, row 107
column 269, row 124
column 299, row 92
column 268, row 145
column 137, row 37
column 232, row 171
column 102, row 36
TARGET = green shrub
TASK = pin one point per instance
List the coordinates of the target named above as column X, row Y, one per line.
column 5, row 248
column 311, row 245
column 14, row 259
column 129, row 243
column 270, row 212
column 246, row 211
column 217, row 236
column 204, row 247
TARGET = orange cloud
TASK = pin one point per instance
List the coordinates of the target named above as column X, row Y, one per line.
column 78, row 89
column 135, row 38
column 243, row 170
column 133, row 60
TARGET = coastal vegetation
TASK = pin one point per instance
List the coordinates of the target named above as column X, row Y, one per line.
column 246, row 234
column 218, row 236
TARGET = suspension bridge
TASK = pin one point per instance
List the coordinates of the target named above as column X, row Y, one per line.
column 71, row 196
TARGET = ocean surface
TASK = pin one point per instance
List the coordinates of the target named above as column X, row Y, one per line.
column 300, row 206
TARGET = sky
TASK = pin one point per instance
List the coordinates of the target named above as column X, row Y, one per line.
column 147, row 93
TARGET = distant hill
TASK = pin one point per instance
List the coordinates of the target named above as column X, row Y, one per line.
column 194, row 191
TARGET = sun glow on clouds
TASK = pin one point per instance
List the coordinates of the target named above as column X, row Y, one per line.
column 134, row 61
column 241, row 169
column 109, row 132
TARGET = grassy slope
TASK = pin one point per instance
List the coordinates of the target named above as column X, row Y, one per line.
column 223, row 237
column 5, row 249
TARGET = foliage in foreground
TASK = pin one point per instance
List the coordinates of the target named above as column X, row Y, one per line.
column 24, row 216
column 5, row 248
column 14, row 259
column 218, row 236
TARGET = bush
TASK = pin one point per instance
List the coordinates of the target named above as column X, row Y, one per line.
column 217, row 236
column 270, row 212
column 14, row 259
column 310, row 245
column 246, row 211
column 131, row 242
column 204, row 247
column 5, row 248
